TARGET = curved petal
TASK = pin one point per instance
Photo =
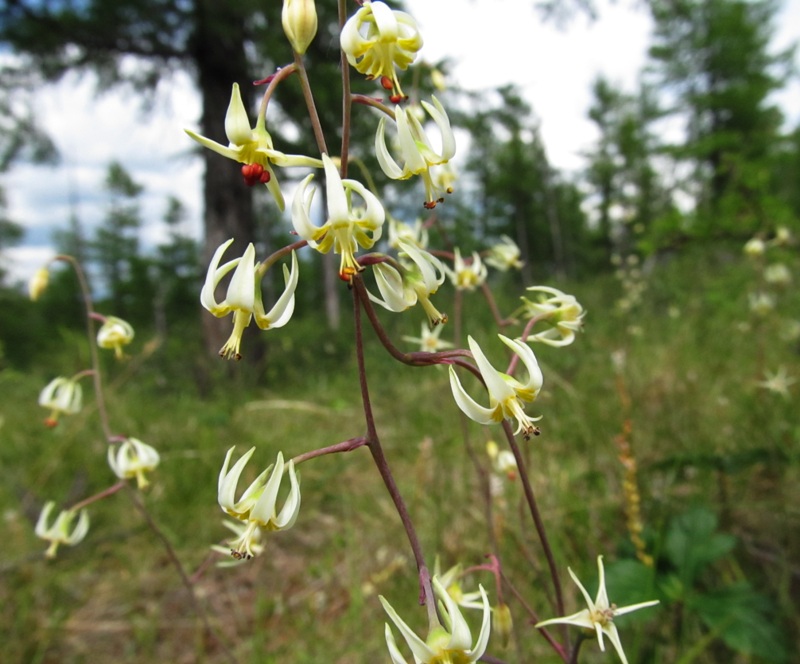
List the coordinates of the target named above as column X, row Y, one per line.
column 283, row 309
column 385, row 20
column 498, row 388
column 467, row 404
column 525, row 353
column 291, row 508
column 418, row 647
column 589, row 601
column 374, row 215
column 264, row 509
column 460, row 636
column 224, row 150
column 390, row 285
column 226, row 484
column 580, row 619
column 486, row 628
column 242, row 287
column 394, row 652
column 414, row 162
column 338, row 209
column 301, row 205
column 80, row 530
column 387, row 163
column 41, row 524
column 439, row 116
column 213, row 277
column 237, row 124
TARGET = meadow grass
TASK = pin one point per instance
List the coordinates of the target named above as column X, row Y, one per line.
column 703, row 433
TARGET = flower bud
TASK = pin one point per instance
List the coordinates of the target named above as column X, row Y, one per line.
column 38, row 283
column 299, row 18
column 503, row 623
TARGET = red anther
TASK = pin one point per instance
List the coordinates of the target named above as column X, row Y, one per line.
column 265, row 177
column 386, row 82
column 429, row 205
column 50, row 422
column 396, row 99
column 253, row 173
column 347, row 274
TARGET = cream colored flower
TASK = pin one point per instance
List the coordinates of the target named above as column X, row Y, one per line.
column 560, row 311
column 467, row 275
column 59, row 533
column 778, row 382
column 417, row 282
column 506, row 394
column 63, row 396
column 415, row 150
column 257, row 506
column 761, row 303
column 777, row 274
column 378, row 41
column 755, row 247
column 448, row 644
column 415, row 233
column 504, row 255
column 133, row 458
column 243, row 297
column 599, row 614
column 253, row 148
column 115, row 333
column 232, row 556
column 429, row 341
column 347, row 227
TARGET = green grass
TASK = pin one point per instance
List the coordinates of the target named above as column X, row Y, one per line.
column 704, row 435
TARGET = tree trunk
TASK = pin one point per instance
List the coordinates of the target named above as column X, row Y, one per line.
column 228, row 202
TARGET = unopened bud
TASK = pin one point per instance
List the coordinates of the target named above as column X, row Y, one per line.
column 503, row 623
column 299, row 18
column 38, row 283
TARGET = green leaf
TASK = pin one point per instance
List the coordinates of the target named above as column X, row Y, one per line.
column 692, row 542
column 744, row 620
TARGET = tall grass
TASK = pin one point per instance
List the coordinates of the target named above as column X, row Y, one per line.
column 703, row 433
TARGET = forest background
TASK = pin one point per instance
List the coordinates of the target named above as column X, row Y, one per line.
column 649, row 236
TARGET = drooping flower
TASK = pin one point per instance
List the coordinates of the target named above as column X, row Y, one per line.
column 415, row 150
column 299, row 20
column 415, row 233
column 63, row 396
column 257, row 505
column 38, row 283
column 243, row 297
column 761, row 303
column 503, row 461
column 755, row 247
column 599, row 614
column 253, row 148
column 429, row 341
column 560, row 311
column 115, row 333
column 347, row 227
column 415, row 282
column 378, row 40
column 504, row 255
column 467, row 275
column 506, row 394
column 446, row 644
column 59, row 533
column 133, row 458
column 777, row 274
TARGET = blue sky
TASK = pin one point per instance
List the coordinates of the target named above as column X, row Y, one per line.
column 496, row 42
